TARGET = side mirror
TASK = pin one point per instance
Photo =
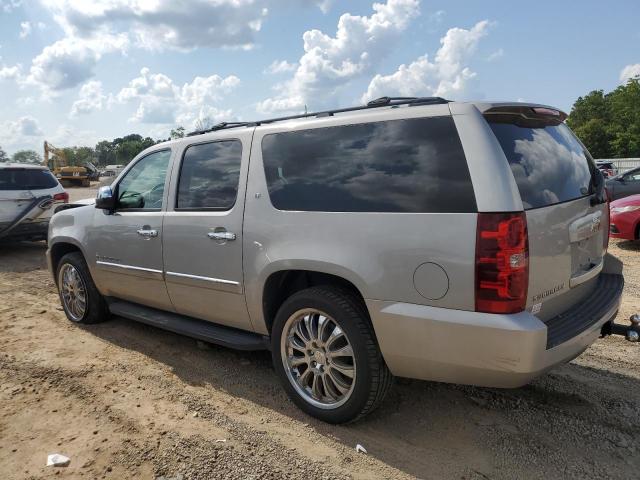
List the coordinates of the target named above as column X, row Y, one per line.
column 105, row 199
column 620, row 179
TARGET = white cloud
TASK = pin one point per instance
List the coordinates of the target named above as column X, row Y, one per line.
column 94, row 28
column 64, row 64
column 437, row 17
column 281, row 66
column 330, row 63
column 324, row 5
column 161, row 101
column 25, row 29
column 25, row 133
column 21, row 133
column 90, row 99
column 163, row 24
column 25, row 126
column 10, row 73
column 9, row 5
column 67, row 135
column 630, row 71
column 499, row 53
column 447, row 75
column 70, row 61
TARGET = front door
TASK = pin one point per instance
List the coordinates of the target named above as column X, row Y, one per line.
column 203, row 231
column 128, row 241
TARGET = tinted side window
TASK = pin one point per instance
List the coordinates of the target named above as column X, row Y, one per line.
column 414, row 165
column 143, row 186
column 633, row 176
column 26, row 179
column 548, row 163
column 209, row 176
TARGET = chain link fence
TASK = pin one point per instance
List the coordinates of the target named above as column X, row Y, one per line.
column 622, row 164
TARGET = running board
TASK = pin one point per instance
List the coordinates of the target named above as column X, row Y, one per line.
column 191, row 327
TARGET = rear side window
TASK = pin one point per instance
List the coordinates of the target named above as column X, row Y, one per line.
column 415, row 165
column 26, row 179
column 209, row 176
column 548, row 163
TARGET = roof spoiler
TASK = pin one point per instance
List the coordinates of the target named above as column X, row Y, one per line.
column 527, row 111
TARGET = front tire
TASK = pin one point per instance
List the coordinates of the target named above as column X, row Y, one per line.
column 326, row 355
column 81, row 300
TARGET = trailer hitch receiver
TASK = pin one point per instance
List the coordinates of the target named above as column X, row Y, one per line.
column 629, row 332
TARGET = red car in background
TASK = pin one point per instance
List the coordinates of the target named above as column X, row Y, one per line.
column 625, row 218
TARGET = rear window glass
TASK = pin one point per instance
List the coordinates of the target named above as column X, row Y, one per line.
column 548, row 163
column 26, row 179
column 414, row 165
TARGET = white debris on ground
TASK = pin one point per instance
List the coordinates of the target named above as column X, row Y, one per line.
column 57, row 460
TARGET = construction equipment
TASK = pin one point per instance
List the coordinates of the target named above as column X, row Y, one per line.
column 69, row 176
column 54, row 158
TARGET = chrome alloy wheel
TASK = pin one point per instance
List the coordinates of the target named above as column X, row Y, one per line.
column 318, row 358
column 73, row 292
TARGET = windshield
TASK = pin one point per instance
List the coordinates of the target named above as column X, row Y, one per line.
column 26, row 179
column 548, row 162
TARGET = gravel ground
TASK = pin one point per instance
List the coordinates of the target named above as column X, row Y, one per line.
column 124, row 400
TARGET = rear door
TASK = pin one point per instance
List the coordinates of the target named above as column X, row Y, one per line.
column 203, row 230
column 567, row 230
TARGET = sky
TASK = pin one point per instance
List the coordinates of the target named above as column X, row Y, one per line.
column 75, row 72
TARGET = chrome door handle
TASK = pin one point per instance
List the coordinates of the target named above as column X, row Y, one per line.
column 147, row 233
column 221, row 236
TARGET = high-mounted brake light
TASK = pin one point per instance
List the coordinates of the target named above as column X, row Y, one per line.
column 546, row 111
column 502, row 262
column 64, row 196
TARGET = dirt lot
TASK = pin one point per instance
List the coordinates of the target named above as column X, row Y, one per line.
column 124, row 400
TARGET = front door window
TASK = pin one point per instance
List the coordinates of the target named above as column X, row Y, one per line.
column 142, row 188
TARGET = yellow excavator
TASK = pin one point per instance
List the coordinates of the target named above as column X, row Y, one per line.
column 69, row 176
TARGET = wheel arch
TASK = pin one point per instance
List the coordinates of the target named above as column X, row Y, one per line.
column 58, row 250
column 281, row 284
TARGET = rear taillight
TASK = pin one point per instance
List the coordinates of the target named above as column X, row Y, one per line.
column 64, row 197
column 502, row 262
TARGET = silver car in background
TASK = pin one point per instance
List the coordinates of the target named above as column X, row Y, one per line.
column 422, row 238
column 29, row 195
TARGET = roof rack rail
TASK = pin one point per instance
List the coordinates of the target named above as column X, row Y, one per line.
column 378, row 102
column 218, row 126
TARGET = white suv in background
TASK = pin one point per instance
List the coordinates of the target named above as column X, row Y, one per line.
column 29, row 196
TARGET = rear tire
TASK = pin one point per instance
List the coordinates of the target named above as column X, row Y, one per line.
column 311, row 317
column 80, row 299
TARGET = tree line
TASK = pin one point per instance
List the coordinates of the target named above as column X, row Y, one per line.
column 119, row 151
column 607, row 123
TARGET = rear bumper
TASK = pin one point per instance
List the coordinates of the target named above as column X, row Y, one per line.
column 491, row 350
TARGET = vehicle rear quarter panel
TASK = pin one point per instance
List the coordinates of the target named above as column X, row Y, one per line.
column 493, row 183
column 377, row 252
